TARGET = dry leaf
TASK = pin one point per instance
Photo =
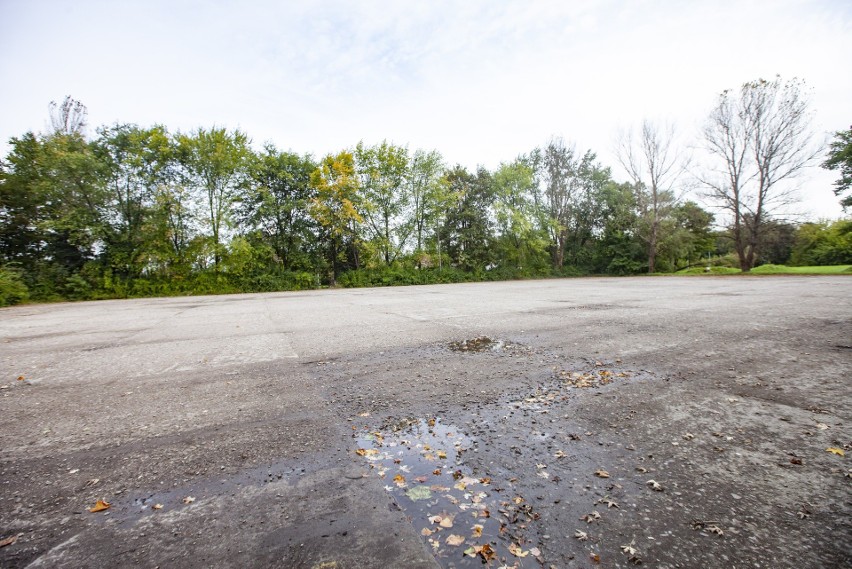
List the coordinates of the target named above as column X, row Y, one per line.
column 628, row 549
column 188, row 500
column 399, row 480
column 581, row 535
column 426, row 532
column 589, row 518
column 715, row 529
column 8, row 541
column 602, row 473
column 516, row 550
column 835, row 450
column 20, row 378
column 477, row 530
column 454, row 539
column 655, row 485
column 437, row 472
column 560, row 454
column 157, row 507
column 536, row 552
column 100, row 506
column 442, row 455
column 446, row 521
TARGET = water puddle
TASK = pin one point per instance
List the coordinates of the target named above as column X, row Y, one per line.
column 465, row 520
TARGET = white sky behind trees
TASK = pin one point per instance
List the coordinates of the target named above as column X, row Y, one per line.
column 481, row 81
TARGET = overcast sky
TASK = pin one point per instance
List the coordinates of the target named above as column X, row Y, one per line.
column 480, row 81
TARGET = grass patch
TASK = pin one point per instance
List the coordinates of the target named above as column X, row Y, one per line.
column 712, row 271
column 819, row 270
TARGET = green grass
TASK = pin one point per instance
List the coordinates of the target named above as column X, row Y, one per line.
column 784, row 270
column 772, row 270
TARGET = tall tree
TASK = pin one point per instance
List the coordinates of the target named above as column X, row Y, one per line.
column 428, row 192
column 572, row 186
column 466, row 234
column 652, row 162
column 517, row 214
column 216, row 163
column 383, row 175
column 759, row 139
column 277, row 205
column 840, row 158
column 335, row 206
column 137, row 162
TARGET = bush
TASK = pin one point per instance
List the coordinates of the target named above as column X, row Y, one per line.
column 12, row 287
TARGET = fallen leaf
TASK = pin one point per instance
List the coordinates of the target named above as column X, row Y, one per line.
column 656, row 486
column 188, row 500
column 610, row 503
column 589, row 518
column 595, row 557
column 100, row 506
column 446, row 521
column 420, row 479
column 485, row 481
column 835, row 450
column 437, row 472
column 20, row 378
column 560, row 454
column 628, row 549
column 602, row 473
column 435, row 519
column 454, row 539
column 487, row 552
column 516, row 550
column 477, row 530
column 157, row 507
column 715, row 529
column 426, row 532
column 442, row 455
column 517, row 499
column 688, row 436
column 8, row 541
column 399, row 480
column 536, row 552
column 419, row 493
column 581, row 535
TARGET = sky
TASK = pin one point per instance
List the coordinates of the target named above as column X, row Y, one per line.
column 481, row 81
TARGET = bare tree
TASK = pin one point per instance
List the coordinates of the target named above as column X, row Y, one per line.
column 760, row 139
column 70, row 117
column 655, row 166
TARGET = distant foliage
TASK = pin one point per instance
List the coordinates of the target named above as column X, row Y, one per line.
column 136, row 211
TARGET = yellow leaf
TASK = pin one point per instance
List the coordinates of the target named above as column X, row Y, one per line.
column 516, row 550
column 835, row 450
column 442, row 455
column 602, row 474
column 426, row 532
column 446, row 521
column 477, row 530
column 454, row 539
column 399, row 480
column 100, row 506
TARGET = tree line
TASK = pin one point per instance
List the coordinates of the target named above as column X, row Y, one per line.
column 136, row 211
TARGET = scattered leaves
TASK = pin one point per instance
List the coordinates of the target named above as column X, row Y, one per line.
column 100, row 506
column 835, row 450
column 602, row 473
column 581, row 535
column 485, row 551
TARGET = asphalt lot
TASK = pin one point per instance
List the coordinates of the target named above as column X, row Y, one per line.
column 606, row 422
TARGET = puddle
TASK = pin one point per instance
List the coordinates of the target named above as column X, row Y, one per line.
column 485, row 344
column 465, row 520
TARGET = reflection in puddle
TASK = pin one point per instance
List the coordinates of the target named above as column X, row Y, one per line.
column 465, row 520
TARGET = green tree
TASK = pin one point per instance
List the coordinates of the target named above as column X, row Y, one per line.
column 428, row 187
column 335, row 206
column 217, row 164
column 522, row 235
column 840, row 158
column 277, row 204
column 383, row 175
column 137, row 162
column 466, row 234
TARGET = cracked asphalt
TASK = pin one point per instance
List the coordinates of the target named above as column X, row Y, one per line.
column 668, row 422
